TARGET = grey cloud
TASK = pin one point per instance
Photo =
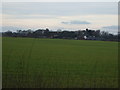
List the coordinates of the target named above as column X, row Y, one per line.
column 76, row 22
column 11, row 28
column 65, row 8
column 111, row 27
column 33, row 17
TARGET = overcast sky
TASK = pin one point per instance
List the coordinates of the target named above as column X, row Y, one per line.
column 65, row 15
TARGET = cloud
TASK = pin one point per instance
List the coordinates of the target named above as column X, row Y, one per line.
column 54, row 8
column 76, row 22
column 10, row 28
column 111, row 27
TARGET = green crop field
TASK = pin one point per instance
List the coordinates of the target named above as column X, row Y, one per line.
column 59, row 63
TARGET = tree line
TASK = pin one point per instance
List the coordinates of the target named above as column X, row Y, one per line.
column 77, row 35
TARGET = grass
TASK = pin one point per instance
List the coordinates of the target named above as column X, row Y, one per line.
column 57, row 63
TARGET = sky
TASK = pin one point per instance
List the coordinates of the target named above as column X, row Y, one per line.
column 60, row 0
column 60, row 15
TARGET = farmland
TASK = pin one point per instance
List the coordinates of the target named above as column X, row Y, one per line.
column 59, row 63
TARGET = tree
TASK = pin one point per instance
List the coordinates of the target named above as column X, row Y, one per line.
column 8, row 34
